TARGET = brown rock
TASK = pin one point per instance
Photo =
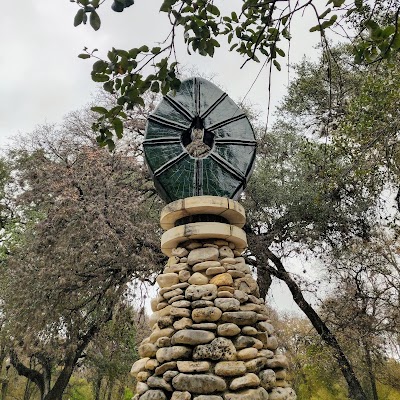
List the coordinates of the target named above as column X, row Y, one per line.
column 179, row 252
column 202, row 254
column 230, row 368
column 224, row 279
column 193, row 366
column 183, row 323
column 198, row 279
column 206, row 314
column 203, row 266
column 215, row 271
column 166, row 280
column 228, row 329
column 246, row 381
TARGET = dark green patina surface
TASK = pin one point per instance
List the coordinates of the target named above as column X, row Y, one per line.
column 198, row 142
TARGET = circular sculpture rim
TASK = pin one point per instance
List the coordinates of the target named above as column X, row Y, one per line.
column 202, row 230
column 229, row 209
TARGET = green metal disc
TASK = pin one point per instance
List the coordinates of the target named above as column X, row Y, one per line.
column 198, row 142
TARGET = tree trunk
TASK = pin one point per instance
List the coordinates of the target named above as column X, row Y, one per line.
column 29, row 373
column 97, row 388
column 110, row 389
column 61, row 383
column 264, row 281
column 370, row 371
column 355, row 390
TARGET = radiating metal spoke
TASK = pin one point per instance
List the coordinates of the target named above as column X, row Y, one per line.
column 167, row 122
column 170, row 163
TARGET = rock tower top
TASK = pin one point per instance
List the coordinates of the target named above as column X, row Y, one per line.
column 198, row 142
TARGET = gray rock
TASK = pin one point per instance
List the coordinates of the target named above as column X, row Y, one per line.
column 227, row 304
column 173, row 353
column 282, row 394
column 159, row 383
column 219, row 349
column 242, row 342
column 201, row 292
column 168, row 366
column 208, row 326
column 245, row 381
column 201, row 384
column 257, row 364
column 267, row 379
column 240, row 317
column 249, row 394
column 228, row 329
column 202, row 303
column 153, row 395
column 181, row 396
column 192, row 337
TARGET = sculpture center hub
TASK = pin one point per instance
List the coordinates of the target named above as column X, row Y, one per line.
column 197, row 141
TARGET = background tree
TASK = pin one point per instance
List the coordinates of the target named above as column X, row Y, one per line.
column 94, row 231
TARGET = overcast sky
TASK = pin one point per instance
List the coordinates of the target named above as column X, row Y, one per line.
column 42, row 78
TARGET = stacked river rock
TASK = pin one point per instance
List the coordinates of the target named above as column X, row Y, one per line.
column 211, row 338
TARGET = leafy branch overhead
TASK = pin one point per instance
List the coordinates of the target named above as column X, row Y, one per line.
column 255, row 30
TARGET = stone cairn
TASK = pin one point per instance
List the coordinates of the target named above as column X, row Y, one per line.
column 211, row 338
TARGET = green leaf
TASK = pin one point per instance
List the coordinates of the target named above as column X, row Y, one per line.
column 83, row 55
column 325, row 13
column 338, row 3
column 389, row 30
column 79, row 17
column 156, row 50
column 95, row 22
column 100, row 110
column 358, row 3
column 155, row 87
column 118, row 127
column 277, row 65
column 167, row 5
column 280, row 52
column 144, row 49
column 396, row 42
column 109, row 86
column 213, row 9
column 315, row 28
column 99, row 66
column 110, row 144
column 100, row 78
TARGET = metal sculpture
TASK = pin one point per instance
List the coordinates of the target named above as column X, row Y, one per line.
column 199, row 142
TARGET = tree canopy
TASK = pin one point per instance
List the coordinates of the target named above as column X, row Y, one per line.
column 256, row 29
